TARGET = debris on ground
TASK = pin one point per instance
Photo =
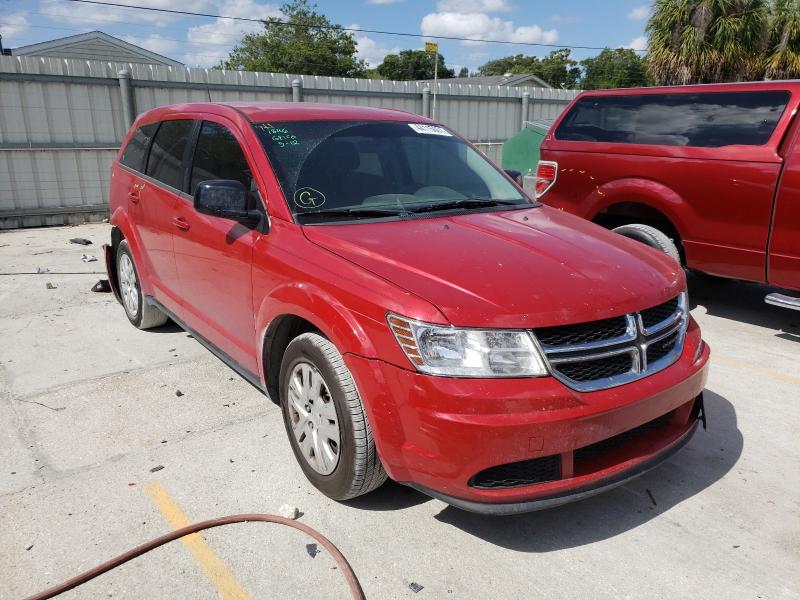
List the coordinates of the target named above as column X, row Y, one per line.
column 156, row 469
column 29, row 548
column 102, row 286
column 652, row 498
column 415, row 587
column 178, row 393
column 42, row 270
column 42, row 252
column 51, row 286
column 312, row 550
column 289, row 512
column 87, row 258
column 81, row 241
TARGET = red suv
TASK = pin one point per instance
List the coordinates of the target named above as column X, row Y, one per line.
column 709, row 174
column 413, row 313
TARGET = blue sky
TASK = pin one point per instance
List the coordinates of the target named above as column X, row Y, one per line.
column 203, row 41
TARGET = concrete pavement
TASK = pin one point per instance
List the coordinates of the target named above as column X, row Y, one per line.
column 88, row 408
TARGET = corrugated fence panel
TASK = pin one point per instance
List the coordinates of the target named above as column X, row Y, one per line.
column 61, row 120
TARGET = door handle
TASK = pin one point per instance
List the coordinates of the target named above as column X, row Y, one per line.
column 133, row 196
column 181, row 223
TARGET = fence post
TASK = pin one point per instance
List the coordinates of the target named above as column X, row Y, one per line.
column 297, row 90
column 128, row 101
column 526, row 99
column 426, row 102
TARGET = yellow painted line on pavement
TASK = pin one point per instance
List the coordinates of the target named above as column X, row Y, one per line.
column 774, row 373
column 212, row 565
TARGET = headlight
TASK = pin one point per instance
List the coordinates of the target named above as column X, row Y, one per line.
column 456, row 352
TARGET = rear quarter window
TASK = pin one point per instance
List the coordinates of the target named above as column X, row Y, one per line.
column 135, row 153
column 707, row 120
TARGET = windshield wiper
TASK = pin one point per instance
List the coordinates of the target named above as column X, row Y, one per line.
column 467, row 203
column 353, row 212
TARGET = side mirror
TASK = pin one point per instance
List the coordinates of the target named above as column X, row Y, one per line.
column 515, row 175
column 225, row 198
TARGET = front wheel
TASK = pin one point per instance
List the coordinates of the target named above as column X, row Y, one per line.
column 652, row 237
column 325, row 420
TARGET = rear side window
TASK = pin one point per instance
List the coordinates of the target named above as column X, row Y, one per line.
column 706, row 120
column 166, row 155
column 219, row 156
column 135, row 152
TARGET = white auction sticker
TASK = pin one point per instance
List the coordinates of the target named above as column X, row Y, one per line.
column 430, row 129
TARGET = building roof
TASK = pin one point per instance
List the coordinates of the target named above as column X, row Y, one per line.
column 506, row 80
column 95, row 45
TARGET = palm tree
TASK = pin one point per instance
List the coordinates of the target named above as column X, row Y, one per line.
column 782, row 60
column 706, row 41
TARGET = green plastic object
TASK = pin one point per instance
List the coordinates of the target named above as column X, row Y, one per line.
column 521, row 152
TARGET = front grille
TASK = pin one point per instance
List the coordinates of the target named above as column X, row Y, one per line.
column 526, row 472
column 582, row 332
column 601, row 354
column 659, row 314
column 659, row 349
column 589, row 370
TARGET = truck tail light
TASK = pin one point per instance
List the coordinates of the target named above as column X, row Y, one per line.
column 546, row 173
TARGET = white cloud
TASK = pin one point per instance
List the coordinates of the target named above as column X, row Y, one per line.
column 383, row 2
column 154, row 43
column 640, row 13
column 370, row 50
column 212, row 42
column 13, row 24
column 92, row 15
column 637, row 43
column 472, row 6
column 480, row 26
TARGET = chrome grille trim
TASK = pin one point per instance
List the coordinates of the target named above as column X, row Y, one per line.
column 636, row 341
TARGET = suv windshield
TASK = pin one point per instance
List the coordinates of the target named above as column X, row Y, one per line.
column 350, row 170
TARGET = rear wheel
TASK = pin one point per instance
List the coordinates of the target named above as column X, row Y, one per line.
column 141, row 314
column 651, row 236
column 325, row 420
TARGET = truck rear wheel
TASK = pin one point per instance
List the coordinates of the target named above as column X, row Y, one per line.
column 652, row 237
column 325, row 420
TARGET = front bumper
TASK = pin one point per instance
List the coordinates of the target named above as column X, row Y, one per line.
column 437, row 433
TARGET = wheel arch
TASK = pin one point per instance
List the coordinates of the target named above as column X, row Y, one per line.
column 298, row 308
column 623, row 201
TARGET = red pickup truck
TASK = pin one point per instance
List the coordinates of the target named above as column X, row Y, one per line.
column 710, row 174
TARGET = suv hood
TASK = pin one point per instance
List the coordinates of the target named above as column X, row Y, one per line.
column 519, row 269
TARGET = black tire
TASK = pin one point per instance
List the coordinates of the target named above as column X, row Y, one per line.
column 652, row 237
column 145, row 316
column 359, row 469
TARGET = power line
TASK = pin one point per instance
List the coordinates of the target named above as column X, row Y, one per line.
column 350, row 29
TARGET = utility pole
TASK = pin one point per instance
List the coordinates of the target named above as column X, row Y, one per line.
column 433, row 48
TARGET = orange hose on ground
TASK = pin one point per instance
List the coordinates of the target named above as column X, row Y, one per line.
column 347, row 570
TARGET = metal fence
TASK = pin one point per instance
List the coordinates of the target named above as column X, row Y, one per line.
column 62, row 120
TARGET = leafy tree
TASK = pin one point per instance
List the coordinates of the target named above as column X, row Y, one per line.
column 782, row 59
column 617, row 68
column 302, row 41
column 706, row 41
column 411, row 65
column 463, row 72
column 557, row 68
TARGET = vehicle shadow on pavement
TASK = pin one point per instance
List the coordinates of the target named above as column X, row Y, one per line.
column 390, row 496
column 706, row 459
column 742, row 301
